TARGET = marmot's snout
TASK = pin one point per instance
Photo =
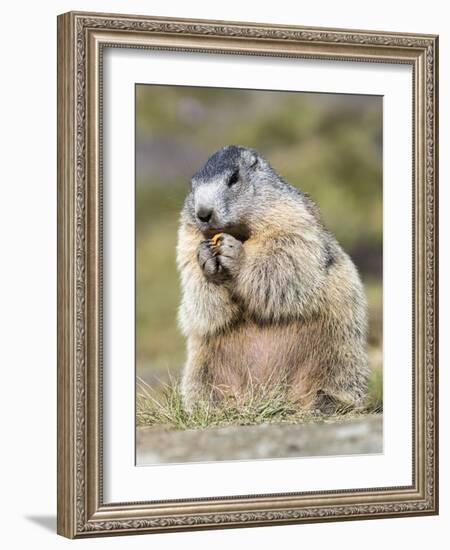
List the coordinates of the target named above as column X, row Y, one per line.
column 222, row 196
column 204, row 214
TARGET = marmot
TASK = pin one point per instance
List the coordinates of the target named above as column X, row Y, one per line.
column 273, row 301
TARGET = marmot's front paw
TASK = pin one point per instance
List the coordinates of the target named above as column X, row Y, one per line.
column 229, row 251
column 209, row 262
column 220, row 257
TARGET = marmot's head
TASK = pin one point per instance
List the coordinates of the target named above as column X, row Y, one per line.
column 224, row 191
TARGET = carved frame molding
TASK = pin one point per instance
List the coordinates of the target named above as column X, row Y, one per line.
column 81, row 39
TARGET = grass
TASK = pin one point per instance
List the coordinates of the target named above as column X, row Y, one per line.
column 374, row 399
column 165, row 408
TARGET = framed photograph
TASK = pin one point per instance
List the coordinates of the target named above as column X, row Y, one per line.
column 247, row 274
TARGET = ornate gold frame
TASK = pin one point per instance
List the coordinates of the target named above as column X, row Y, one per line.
column 81, row 38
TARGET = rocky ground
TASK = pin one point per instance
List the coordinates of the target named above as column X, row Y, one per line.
column 346, row 436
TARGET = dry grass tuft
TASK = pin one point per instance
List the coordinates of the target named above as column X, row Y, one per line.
column 165, row 408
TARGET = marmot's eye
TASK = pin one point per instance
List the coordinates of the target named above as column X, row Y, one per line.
column 233, row 178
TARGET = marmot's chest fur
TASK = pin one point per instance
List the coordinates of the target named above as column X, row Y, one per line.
column 259, row 358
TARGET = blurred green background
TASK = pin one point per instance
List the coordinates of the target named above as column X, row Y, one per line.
column 329, row 145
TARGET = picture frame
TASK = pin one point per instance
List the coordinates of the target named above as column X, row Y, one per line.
column 82, row 41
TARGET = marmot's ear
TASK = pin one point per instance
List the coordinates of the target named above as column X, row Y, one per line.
column 250, row 158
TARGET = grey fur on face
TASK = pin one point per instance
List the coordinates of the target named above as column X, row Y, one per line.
column 226, row 190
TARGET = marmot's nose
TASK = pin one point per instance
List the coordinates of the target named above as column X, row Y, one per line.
column 204, row 214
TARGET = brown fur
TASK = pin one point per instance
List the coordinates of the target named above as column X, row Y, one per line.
column 281, row 318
